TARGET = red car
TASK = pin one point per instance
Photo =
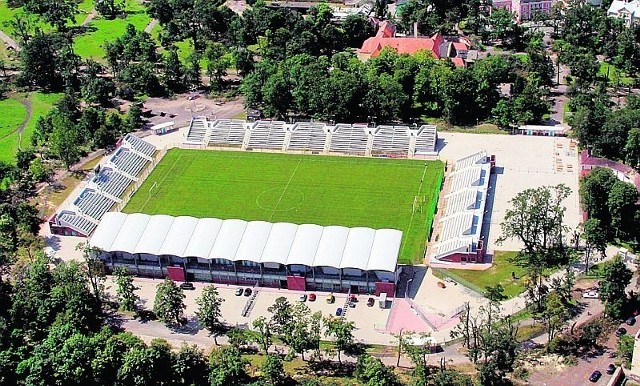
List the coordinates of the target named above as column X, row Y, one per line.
column 312, row 297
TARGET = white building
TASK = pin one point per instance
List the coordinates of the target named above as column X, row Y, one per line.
column 629, row 11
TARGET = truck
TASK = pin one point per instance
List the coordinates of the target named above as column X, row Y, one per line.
column 382, row 300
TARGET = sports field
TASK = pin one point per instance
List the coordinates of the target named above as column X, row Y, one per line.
column 370, row 192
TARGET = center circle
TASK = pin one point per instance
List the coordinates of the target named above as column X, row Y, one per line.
column 280, row 199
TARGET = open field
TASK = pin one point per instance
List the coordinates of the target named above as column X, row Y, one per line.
column 499, row 273
column 615, row 75
column 14, row 112
column 376, row 193
column 91, row 44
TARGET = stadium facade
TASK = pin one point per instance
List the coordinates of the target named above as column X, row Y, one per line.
column 282, row 255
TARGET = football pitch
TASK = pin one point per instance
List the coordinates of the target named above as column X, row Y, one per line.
column 369, row 192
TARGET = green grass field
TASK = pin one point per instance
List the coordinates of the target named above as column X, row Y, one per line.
column 90, row 45
column 14, row 113
column 499, row 273
column 370, row 192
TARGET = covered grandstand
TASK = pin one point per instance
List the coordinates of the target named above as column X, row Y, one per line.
column 283, row 255
column 459, row 230
column 105, row 188
column 315, row 137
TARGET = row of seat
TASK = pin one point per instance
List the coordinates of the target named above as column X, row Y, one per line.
column 139, row 145
column 461, row 226
column 111, row 182
column 313, row 136
column 107, row 186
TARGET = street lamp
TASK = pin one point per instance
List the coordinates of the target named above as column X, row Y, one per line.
column 406, row 291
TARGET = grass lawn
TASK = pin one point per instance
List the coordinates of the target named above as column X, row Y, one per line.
column 90, row 44
column 13, row 113
column 347, row 191
column 40, row 105
column 615, row 75
column 499, row 273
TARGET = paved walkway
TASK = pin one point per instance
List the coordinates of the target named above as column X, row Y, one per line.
column 150, row 26
column 90, row 17
column 9, row 41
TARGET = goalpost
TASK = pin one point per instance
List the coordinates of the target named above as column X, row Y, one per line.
column 154, row 186
column 418, row 203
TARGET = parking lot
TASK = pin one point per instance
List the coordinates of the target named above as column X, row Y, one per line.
column 369, row 321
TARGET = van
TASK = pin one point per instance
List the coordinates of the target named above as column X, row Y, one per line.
column 331, row 299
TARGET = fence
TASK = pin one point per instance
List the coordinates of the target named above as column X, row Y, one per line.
column 447, row 273
column 434, row 203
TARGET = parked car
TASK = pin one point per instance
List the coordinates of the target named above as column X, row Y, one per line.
column 590, row 295
column 312, row 297
column 247, row 291
column 238, row 291
column 187, row 286
column 621, row 331
column 352, row 304
column 371, row 302
column 302, row 298
column 331, row 299
column 595, row 376
column 611, row 368
column 338, row 311
column 353, row 298
column 631, row 321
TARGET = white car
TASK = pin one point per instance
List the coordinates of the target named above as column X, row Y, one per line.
column 590, row 295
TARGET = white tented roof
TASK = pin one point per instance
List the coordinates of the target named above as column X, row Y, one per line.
column 256, row 241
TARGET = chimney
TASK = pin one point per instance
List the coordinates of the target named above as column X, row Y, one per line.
column 415, row 29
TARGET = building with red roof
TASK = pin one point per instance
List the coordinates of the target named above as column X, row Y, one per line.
column 438, row 45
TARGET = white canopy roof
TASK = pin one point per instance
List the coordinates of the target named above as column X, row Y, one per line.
column 256, row 241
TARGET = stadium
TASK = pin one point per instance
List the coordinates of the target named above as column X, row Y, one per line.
column 273, row 214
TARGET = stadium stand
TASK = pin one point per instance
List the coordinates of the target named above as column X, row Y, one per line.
column 267, row 135
column 426, row 140
column 128, row 161
column 111, row 182
column 93, row 204
column 81, row 224
column 317, row 137
column 105, row 188
column 226, row 132
column 349, row 139
column 308, row 136
column 197, row 130
column 139, row 145
column 283, row 255
column 459, row 238
column 462, row 200
column 391, row 140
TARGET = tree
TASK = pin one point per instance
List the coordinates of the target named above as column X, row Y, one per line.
column 109, row 9
column 125, row 290
column 273, row 370
column 209, row 313
column 133, row 120
column 281, row 317
column 612, row 287
column 596, row 239
column 372, row 372
column 342, row 333
column 56, row 13
column 624, row 348
column 227, row 366
column 217, row 64
column 173, row 70
column 594, row 194
column 169, row 304
column 622, row 208
column 190, row 366
column 65, row 141
column 536, row 218
column 555, row 313
column 632, row 149
column 495, row 293
column 263, row 334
